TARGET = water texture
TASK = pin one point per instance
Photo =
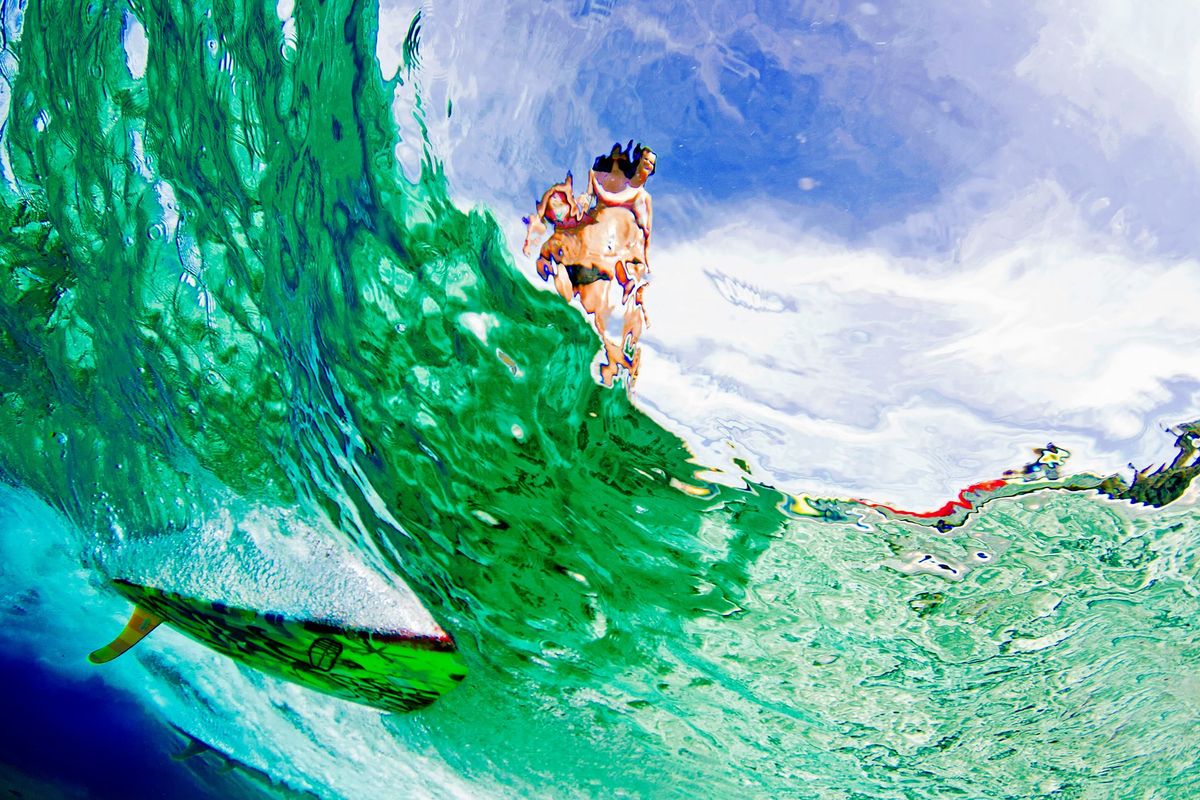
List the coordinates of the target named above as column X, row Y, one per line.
column 225, row 297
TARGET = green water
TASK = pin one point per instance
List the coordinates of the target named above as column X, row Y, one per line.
column 217, row 287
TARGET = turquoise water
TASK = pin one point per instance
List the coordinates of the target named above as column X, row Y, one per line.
column 221, row 295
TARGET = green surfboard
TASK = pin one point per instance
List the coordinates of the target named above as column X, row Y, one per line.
column 393, row 671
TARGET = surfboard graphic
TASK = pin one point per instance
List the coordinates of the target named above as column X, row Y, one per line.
column 395, row 671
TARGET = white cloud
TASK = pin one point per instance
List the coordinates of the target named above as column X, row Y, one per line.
column 904, row 379
column 1122, row 62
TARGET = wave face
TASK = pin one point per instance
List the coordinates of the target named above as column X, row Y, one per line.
column 223, row 298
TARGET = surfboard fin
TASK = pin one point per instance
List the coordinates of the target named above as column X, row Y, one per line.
column 139, row 626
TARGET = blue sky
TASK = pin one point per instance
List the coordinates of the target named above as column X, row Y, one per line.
column 953, row 231
column 883, row 108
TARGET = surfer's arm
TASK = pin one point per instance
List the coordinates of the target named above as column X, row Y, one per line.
column 535, row 226
column 594, row 187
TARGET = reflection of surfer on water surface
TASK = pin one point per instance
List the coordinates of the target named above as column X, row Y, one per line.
column 600, row 237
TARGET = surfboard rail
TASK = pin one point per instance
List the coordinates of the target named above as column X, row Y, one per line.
column 392, row 670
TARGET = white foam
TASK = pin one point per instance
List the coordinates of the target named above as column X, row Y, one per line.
column 268, row 560
column 54, row 610
column 137, row 46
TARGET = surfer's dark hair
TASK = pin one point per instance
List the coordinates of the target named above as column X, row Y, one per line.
column 625, row 159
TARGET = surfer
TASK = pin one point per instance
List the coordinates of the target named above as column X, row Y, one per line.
column 600, row 237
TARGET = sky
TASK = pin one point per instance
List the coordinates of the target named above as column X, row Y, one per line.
column 897, row 245
column 884, row 109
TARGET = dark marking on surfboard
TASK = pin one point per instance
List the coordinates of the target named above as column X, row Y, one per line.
column 324, row 653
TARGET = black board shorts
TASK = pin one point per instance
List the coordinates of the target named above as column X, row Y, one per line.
column 582, row 276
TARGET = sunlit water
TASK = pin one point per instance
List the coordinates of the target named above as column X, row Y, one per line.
column 238, row 296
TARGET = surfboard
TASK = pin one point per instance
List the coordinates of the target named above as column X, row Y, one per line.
column 394, row 671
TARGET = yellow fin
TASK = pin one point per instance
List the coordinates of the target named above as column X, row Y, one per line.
column 139, row 626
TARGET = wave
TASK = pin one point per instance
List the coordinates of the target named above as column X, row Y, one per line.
column 222, row 294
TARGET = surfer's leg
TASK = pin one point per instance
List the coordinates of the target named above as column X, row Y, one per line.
column 612, row 363
column 631, row 333
column 562, row 282
column 641, row 307
column 634, row 367
column 623, row 278
column 591, row 297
